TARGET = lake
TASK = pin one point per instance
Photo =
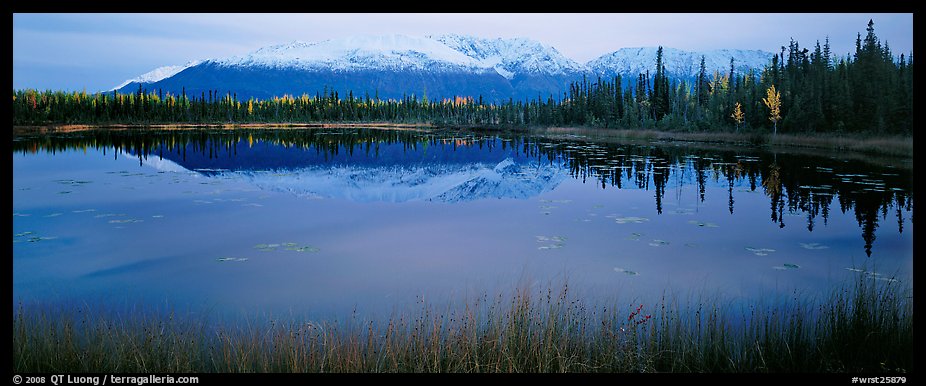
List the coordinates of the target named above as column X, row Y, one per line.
column 322, row 222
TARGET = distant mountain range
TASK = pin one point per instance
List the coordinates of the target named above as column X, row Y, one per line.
column 393, row 66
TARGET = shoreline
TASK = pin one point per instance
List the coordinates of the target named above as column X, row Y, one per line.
column 891, row 146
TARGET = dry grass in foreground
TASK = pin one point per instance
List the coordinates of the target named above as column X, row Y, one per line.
column 865, row 327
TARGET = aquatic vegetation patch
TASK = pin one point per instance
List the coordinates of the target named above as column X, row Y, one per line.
column 267, row 247
column 625, row 271
column 552, row 242
column 287, row 246
column 109, row 215
column 31, row 237
column 813, row 246
column 72, row 182
column 658, row 243
column 225, row 259
column 760, row 251
column 630, row 220
column 126, row 221
column 873, row 275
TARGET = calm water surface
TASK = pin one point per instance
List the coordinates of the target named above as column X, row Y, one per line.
column 320, row 222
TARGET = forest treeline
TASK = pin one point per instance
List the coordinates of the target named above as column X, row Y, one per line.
column 799, row 91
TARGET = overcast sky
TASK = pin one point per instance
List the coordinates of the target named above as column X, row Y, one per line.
column 98, row 51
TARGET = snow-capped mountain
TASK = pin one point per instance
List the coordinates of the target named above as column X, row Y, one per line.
column 395, row 66
column 156, row 75
column 388, row 67
column 388, row 52
column 533, row 69
column 512, row 57
column 678, row 63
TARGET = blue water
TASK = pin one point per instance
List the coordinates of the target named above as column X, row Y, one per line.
column 320, row 222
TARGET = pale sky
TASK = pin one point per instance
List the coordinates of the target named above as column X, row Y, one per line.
column 94, row 52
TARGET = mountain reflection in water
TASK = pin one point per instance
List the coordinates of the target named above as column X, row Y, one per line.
column 403, row 165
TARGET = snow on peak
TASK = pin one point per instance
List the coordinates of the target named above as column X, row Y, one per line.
column 512, row 56
column 451, row 53
column 157, row 74
column 359, row 52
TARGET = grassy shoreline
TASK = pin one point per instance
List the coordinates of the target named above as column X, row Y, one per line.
column 862, row 327
column 894, row 146
column 890, row 146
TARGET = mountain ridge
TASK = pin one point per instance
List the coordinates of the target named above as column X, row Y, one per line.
column 394, row 66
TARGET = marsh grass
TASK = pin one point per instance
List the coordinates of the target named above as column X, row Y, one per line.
column 864, row 327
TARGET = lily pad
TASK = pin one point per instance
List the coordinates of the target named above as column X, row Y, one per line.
column 224, row 259
column 627, row 220
column 126, row 221
column 625, row 271
column 36, row 239
column 288, row 246
column 760, row 251
column 882, row 278
column 72, row 182
column 813, row 246
column 267, row 247
column 310, row 249
column 557, row 239
column 554, row 242
column 658, row 243
column 109, row 215
column 872, row 275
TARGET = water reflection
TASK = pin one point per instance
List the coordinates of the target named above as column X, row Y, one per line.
column 397, row 166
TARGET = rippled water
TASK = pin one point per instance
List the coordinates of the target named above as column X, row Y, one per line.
column 321, row 222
